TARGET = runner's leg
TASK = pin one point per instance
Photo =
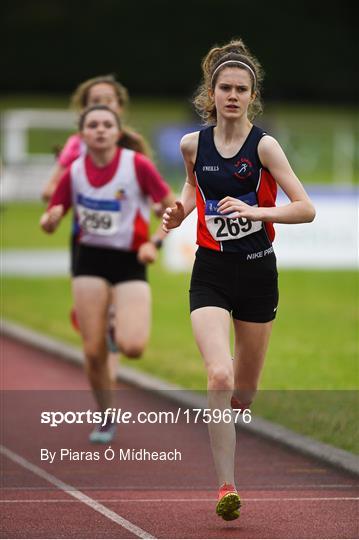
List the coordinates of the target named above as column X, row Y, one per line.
column 112, row 348
column 132, row 300
column 250, row 347
column 91, row 296
column 211, row 330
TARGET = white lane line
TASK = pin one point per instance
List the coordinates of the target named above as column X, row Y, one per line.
column 76, row 494
column 269, row 487
column 264, row 499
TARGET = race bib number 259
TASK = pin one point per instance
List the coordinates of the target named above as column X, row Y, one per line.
column 98, row 217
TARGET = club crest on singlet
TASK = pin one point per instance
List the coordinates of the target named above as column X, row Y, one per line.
column 244, row 168
column 224, row 227
column 99, row 217
column 120, row 194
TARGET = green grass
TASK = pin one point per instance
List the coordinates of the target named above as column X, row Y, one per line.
column 19, row 228
column 312, row 362
column 306, row 353
column 329, row 416
column 311, row 365
column 313, row 137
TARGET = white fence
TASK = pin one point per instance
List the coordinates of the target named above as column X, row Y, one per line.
column 23, row 174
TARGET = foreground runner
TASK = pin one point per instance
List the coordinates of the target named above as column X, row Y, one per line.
column 233, row 169
column 109, row 188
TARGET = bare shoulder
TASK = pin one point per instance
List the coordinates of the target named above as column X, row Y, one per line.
column 269, row 149
column 189, row 144
column 268, row 143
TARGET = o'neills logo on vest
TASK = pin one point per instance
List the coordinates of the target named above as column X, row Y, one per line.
column 244, row 168
column 210, row 168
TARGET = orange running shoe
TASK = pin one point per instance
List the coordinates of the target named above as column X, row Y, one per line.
column 229, row 503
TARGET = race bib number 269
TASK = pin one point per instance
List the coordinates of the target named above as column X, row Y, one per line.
column 223, row 228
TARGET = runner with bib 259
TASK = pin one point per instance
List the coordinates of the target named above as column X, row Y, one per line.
column 110, row 189
column 233, row 169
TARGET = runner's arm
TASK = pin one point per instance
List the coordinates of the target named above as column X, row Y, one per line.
column 52, row 184
column 174, row 215
column 299, row 210
column 59, row 204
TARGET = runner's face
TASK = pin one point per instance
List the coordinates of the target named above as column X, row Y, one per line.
column 100, row 130
column 233, row 92
column 103, row 94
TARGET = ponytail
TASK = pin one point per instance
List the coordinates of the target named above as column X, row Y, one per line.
column 134, row 141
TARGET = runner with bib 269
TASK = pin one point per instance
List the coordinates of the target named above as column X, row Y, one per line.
column 233, row 169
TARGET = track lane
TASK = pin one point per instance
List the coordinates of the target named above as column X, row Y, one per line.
column 286, row 495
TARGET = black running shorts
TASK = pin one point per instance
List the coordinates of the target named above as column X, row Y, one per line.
column 74, row 244
column 113, row 265
column 248, row 289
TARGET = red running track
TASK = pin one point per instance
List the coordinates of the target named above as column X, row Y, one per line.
column 285, row 494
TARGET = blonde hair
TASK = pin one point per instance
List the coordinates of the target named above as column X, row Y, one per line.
column 129, row 138
column 79, row 98
column 237, row 52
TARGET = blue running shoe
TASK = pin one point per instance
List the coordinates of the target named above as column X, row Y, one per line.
column 103, row 434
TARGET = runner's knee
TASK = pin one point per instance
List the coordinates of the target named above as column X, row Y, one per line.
column 131, row 349
column 94, row 355
column 220, row 378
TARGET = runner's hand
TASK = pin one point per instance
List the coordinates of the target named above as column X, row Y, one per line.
column 235, row 208
column 50, row 220
column 147, row 253
column 173, row 217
